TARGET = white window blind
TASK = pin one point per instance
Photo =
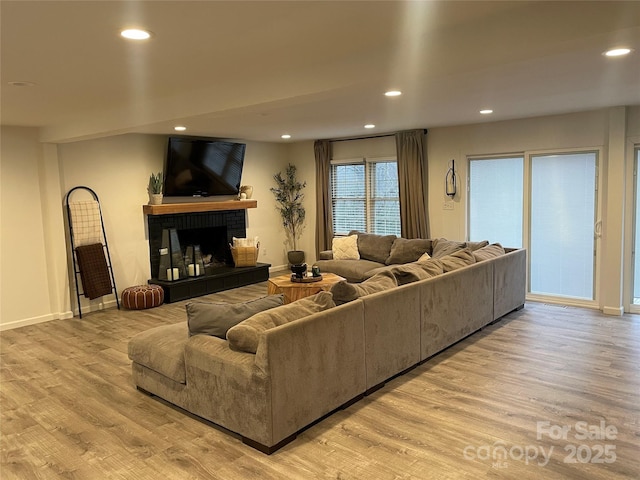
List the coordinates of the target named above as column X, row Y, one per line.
column 496, row 194
column 365, row 196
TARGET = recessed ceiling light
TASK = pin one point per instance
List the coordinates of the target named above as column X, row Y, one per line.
column 285, row 136
column 179, row 128
column 393, row 93
column 135, row 34
column 617, row 52
column 369, row 125
column 22, row 84
column 486, row 111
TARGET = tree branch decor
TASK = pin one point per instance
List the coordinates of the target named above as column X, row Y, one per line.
column 289, row 196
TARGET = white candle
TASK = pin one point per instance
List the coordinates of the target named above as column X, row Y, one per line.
column 175, row 276
column 192, row 270
column 197, row 269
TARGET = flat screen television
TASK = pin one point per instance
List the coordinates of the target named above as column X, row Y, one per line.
column 201, row 167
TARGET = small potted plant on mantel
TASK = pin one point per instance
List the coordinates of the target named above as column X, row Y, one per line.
column 155, row 189
column 289, row 196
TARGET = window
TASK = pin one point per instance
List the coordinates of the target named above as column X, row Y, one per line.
column 364, row 196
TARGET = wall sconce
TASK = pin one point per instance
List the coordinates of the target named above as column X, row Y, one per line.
column 450, row 180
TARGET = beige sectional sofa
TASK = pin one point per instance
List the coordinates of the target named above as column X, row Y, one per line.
column 305, row 368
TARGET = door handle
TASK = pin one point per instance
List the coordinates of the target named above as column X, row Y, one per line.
column 597, row 229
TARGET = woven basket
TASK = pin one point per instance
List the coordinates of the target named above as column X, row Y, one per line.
column 245, row 256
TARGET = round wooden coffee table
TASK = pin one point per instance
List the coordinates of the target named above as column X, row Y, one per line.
column 293, row 291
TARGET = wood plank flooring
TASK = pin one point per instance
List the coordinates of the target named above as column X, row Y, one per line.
column 491, row 406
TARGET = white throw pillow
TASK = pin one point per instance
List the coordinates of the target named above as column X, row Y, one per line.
column 423, row 258
column 345, row 248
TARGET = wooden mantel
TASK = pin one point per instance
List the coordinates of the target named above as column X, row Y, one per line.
column 194, row 207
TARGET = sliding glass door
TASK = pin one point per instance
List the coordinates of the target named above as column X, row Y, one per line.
column 562, row 219
column 546, row 203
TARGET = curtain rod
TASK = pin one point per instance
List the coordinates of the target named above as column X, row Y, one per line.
column 367, row 137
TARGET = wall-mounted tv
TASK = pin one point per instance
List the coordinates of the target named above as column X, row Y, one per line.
column 201, row 167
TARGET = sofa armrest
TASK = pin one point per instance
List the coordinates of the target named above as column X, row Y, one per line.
column 227, row 388
column 315, row 365
column 326, row 255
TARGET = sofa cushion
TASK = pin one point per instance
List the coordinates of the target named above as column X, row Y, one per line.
column 246, row 334
column 374, row 247
column 406, row 250
column 490, row 251
column 161, row 349
column 442, row 247
column 352, row 270
column 432, row 266
column 476, row 245
column 216, row 318
column 458, row 259
column 344, row 292
column 408, row 273
column 345, row 248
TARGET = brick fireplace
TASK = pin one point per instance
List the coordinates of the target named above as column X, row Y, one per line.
column 212, row 226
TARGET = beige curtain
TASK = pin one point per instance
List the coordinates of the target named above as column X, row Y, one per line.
column 324, row 221
column 412, row 176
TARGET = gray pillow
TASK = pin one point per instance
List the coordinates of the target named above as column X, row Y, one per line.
column 408, row 273
column 216, row 318
column 433, row 267
column 458, row 259
column 374, row 247
column 405, row 250
column 490, row 251
column 246, row 334
column 442, row 247
column 476, row 245
column 344, row 292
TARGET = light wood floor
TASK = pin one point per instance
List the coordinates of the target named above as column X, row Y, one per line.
column 70, row 410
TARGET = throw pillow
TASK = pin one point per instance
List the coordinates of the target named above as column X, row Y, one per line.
column 442, row 247
column 458, row 259
column 490, row 251
column 433, row 267
column 405, row 250
column 246, row 334
column 476, row 245
column 216, row 318
column 344, row 292
column 374, row 247
column 424, row 258
column 345, row 248
column 408, row 273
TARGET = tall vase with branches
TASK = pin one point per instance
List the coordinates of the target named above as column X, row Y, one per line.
column 289, row 196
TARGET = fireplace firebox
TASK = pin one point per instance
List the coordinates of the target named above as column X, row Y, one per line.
column 211, row 232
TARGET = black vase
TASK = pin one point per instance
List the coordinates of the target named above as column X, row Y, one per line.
column 295, row 257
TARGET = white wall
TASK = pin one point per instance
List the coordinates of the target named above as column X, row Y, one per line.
column 24, row 287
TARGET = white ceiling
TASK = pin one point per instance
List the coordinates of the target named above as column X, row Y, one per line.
column 254, row 70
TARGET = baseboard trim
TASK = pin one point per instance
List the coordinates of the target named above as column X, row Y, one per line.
column 617, row 311
column 25, row 322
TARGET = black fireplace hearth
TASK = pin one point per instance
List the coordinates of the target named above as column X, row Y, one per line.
column 212, row 232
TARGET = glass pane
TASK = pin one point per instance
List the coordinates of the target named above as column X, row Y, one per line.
column 348, row 198
column 562, row 223
column 384, row 206
column 636, row 267
column 495, row 200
